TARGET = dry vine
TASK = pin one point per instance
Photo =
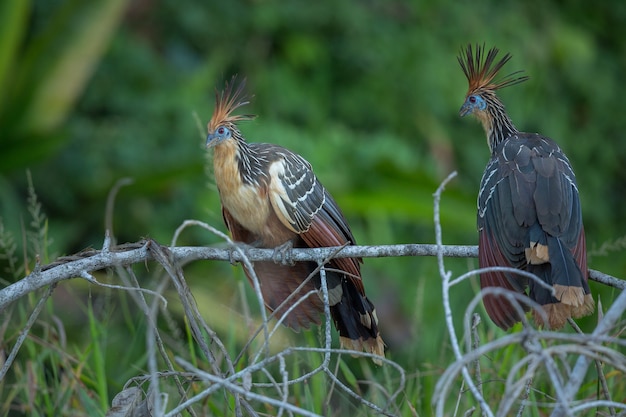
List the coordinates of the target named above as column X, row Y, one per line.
column 543, row 348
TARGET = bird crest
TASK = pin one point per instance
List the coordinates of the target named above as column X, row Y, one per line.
column 481, row 71
column 226, row 102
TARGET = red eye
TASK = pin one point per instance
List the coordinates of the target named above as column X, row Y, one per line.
column 472, row 99
column 220, row 131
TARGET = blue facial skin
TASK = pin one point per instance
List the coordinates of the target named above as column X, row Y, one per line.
column 473, row 103
column 221, row 133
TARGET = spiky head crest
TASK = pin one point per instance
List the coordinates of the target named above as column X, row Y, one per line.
column 226, row 102
column 481, row 71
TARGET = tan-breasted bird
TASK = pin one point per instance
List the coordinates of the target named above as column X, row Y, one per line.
column 272, row 199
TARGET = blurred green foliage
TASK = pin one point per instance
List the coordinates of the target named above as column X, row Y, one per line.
column 367, row 91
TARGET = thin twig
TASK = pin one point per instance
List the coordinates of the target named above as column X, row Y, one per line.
column 603, row 384
column 524, row 398
column 110, row 204
column 475, row 345
column 154, row 342
column 232, row 388
column 25, row 330
column 247, row 263
column 612, row 316
column 445, row 277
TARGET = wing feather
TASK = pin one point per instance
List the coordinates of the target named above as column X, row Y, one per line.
column 529, row 194
column 295, row 193
column 500, row 310
column 304, row 206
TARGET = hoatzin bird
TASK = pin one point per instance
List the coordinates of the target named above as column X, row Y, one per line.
column 272, row 199
column 529, row 214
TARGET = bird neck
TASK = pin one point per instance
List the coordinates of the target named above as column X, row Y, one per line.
column 237, row 158
column 497, row 124
column 250, row 164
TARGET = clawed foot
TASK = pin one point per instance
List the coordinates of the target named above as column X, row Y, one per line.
column 235, row 247
column 282, row 254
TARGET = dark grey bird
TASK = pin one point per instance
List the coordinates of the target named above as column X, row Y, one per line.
column 529, row 214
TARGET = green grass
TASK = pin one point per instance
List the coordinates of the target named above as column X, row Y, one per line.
column 79, row 376
column 49, row 377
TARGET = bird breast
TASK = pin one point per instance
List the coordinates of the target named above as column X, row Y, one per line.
column 247, row 203
column 248, row 207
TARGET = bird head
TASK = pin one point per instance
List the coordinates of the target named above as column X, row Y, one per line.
column 480, row 72
column 222, row 125
column 219, row 135
column 474, row 103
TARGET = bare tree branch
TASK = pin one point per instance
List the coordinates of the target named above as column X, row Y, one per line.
column 77, row 265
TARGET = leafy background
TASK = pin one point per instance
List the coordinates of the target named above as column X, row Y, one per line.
column 367, row 91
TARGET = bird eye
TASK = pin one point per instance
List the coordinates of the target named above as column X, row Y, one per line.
column 472, row 99
column 222, row 132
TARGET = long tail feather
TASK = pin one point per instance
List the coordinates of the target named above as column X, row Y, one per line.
column 570, row 296
column 356, row 321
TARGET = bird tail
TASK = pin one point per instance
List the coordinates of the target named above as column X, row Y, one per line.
column 352, row 312
column 354, row 316
column 570, row 295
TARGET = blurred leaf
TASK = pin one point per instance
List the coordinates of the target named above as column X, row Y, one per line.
column 42, row 74
column 13, row 18
column 66, row 73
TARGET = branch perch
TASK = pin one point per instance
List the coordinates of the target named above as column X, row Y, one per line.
column 87, row 261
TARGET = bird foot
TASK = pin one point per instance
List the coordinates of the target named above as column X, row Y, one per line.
column 282, row 254
column 235, row 247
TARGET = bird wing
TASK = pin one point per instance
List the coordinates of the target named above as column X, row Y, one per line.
column 500, row 243
column 500, row 310
column 556, row 193
column 295, row 193
column 304, row 206
column 497, row 222
column 528, row 194
column 529, row 181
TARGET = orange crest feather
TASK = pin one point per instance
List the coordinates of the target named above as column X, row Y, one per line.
column 481, row 72
column 226, row 102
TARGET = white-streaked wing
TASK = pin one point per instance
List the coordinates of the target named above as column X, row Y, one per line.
column 295, row 193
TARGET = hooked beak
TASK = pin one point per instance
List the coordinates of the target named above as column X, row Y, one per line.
column 465, row 109
column 211, row 140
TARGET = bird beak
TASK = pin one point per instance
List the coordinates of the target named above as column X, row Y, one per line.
column 465, row 109
column 211, row 140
